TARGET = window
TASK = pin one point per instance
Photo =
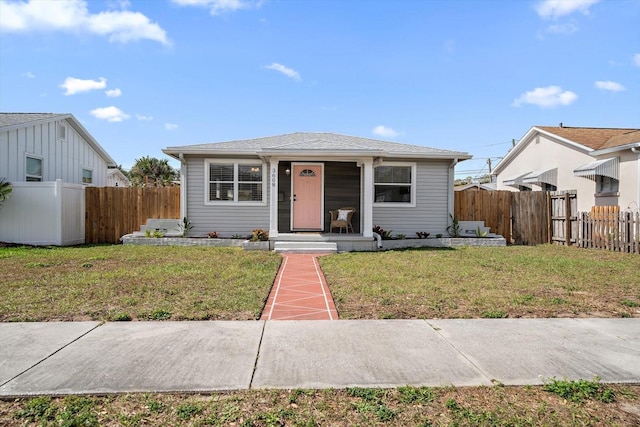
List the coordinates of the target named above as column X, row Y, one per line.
column 34, row 169
column 87, row 176
column 605, row 184
column 236, row 182
column 548, row 187
column 394, row 183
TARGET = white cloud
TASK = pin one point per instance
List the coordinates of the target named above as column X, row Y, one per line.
column 385, row 132
column 144, row 118
column 546, row 97
column 611, row 86
column 568, row 28
column 113, row 93
column 552, row 9
column 170, row 126
column 110, row 114
column 73, row 85
column 217, row 7
column 73, row 16
column 636, row 59
column 30, row 75
column 284, row 70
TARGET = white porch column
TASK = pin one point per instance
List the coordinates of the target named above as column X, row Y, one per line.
column 273, row 197
column 367, row 196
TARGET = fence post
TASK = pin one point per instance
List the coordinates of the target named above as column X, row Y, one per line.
column 567, row 219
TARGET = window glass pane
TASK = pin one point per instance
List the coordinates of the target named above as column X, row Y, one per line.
column 221, row 172
column 221, row 191
column 250, row 173
column 607, row 184
column 34, row 166
column 393, row 193
column 250, row 192
column 392, row 174
column 87, row 176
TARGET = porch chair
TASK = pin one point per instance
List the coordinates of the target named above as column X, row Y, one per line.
column 341, row 218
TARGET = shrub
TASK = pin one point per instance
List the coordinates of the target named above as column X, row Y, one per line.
column 259, row 235
column 213, row 235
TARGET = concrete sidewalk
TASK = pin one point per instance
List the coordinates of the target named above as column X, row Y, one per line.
column 87, row 357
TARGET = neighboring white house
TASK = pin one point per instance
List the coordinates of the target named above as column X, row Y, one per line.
column 48, row 159
column 602, row 165
column 45, row 147
column 115, row 178
column 289, row 183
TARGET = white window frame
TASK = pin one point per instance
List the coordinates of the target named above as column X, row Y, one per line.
column 235, row 201
column 412, row 203
column 36, row 157
column 82, row 169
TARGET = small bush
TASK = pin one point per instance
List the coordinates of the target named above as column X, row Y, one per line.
column 259, row 235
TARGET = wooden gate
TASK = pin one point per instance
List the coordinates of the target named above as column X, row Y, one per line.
column 530, row 218
column 564, row 217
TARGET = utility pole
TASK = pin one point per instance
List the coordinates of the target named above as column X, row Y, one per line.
column 489, row 163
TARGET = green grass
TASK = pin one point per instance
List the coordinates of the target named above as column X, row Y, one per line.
column 473, row 282
column 134, row 283
column 403, row 406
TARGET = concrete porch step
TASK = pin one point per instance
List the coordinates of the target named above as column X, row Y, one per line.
column 305, row 247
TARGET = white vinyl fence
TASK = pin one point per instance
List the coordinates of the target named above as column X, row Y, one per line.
column 43, row 213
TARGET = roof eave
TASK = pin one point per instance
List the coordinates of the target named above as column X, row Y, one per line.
column 610, row 150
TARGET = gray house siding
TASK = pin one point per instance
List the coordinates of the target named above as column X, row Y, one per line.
column 431, row 211
column 225, row 219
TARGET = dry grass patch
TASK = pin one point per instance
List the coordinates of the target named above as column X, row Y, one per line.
column 421, row 406
column 472, row 282
column 134, row 283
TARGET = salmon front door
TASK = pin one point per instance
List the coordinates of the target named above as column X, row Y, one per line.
column 306, row 202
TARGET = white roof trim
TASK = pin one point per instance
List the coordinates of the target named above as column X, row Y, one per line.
column 610, row 150
column 526, row 140
column 549, row 176
column 605, row 167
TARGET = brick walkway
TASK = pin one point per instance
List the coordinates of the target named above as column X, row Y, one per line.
column 300, row 291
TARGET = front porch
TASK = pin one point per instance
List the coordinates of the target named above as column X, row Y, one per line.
column 344, row 183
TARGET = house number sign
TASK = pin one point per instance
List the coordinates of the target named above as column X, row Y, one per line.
column 274, row 176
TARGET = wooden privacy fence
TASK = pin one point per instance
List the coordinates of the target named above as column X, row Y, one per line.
column 492, row 207
column 112, row 212
column 605, row 227
column 522, row 218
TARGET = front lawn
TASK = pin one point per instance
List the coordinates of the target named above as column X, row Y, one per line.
column 473, row 282
column 134, row 283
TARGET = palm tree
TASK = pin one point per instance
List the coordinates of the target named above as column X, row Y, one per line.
column 151, row 171
column 5, row 190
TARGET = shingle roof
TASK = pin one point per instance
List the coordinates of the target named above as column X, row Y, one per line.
column 11, row 119
column 312, row 141
column 595, row 138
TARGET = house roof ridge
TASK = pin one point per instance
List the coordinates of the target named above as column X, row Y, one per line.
column 587, row 127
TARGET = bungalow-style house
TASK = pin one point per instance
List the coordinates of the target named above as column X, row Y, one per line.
column 46, row 147
column 602, row 165
column 289, row 183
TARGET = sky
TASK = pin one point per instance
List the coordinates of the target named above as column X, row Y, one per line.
column 465, row 75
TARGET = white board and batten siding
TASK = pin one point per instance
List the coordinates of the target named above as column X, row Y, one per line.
column 44, row 213
column 225, row 219
column 62, row 158
column 430, row 212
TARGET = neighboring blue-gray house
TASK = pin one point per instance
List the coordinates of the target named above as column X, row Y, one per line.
column 289, row 183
